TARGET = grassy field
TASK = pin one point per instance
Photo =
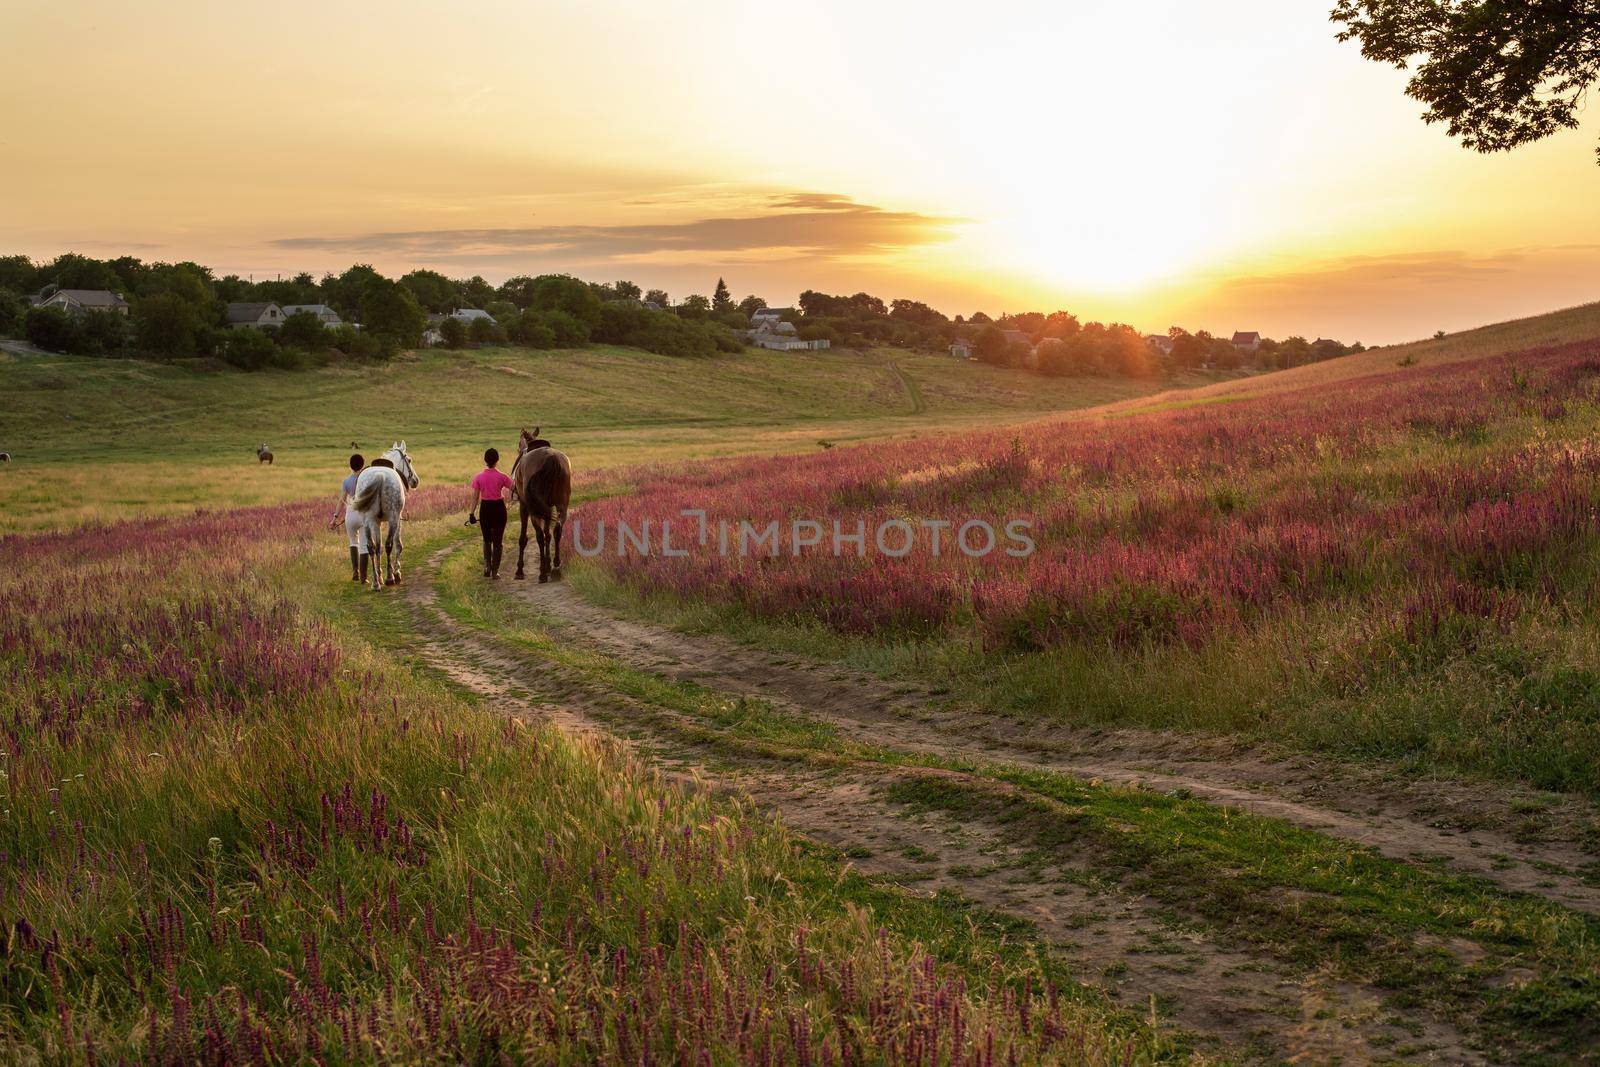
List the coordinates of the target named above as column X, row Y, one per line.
column 242, row 828
column 237, row 833
column 1394, row 565
column 255, row 813
column 1288, row 897
column 1579, row 323
column 103, row 439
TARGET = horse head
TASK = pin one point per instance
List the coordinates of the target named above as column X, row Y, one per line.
column 402, row 464
column 530, row 441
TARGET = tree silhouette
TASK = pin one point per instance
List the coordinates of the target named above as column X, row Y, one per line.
column 1498, row 73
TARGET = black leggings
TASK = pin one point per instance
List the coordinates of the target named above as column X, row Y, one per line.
column 492, row 521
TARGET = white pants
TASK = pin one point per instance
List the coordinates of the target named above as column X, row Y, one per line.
column 352, row 527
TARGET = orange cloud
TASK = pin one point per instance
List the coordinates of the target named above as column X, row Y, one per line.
column 815, row 225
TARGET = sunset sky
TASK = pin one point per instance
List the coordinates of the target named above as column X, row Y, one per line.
column 1221, row 165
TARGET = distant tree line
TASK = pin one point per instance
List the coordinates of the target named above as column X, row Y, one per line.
column 1055, row 344
column 179, row 311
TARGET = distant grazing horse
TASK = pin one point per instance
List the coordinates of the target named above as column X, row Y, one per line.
column 264, row 455
column 542, row 478
column 381, row 497
column 5, row 457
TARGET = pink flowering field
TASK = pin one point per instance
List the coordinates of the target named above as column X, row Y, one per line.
column 230, row 833
column 1402, row 564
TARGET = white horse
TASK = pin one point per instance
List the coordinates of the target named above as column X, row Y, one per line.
column 381, row 496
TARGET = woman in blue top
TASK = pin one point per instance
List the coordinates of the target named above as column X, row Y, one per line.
column 347, row 490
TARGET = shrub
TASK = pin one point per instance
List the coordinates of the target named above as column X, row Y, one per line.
column 305, row 331
column 209, row 339
column 663, row 332
column 532, row 330
column 354, row 344
column 485, row 331
column 51, row 329
column 568, row 329
column 452, row 332
column 102, row 333
column 12, row 311
column 249, row 350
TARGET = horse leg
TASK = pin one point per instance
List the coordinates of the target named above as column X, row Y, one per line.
column 542, row 531
column 374, row 553
column 522, row 542
column 555, row 572
column 399, row 546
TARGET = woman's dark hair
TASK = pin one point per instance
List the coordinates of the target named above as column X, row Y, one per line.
column 356, row 462
column 491, row 457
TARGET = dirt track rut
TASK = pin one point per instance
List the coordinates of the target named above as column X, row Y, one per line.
column 1486, row 832
column 1231, row 994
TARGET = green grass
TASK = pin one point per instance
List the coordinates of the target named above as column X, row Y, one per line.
column 1313, row 901
column 182, row 884
column 1329, row 677
column 97, row 439
column 1555, row 327
column 146, row 438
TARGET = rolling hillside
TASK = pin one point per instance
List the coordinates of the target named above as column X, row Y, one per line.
column 1279, row 750
column 1556, row 327
column 1388, row 555
column 95, row 439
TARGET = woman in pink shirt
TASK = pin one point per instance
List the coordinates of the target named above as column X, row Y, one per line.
column 489, row 488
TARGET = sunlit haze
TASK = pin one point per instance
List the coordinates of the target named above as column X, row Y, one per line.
column 1222, row 166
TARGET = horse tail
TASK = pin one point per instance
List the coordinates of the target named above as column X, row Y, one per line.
column 368, row 495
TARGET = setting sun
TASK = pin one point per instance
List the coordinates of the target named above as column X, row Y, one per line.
column 1213, row 164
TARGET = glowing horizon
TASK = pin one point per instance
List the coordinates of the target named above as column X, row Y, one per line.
column 1223, row 168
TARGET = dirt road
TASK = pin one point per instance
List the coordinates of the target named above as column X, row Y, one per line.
column 1231, row 993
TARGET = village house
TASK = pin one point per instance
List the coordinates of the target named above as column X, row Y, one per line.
column 771, row 332
column 254, row 316
column 1017, row 337
column 961, row 349
column 325, row 314
column 1247, row 342
column 431, row 334
column 467, row 315
column 1160, row 342
column 78, row 301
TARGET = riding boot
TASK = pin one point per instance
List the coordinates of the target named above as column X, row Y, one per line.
column 488, row 559
column 364, row 559
column 355, row 564
column 494, row 565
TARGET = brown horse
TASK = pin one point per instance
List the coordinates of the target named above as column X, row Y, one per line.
column 542, row 478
